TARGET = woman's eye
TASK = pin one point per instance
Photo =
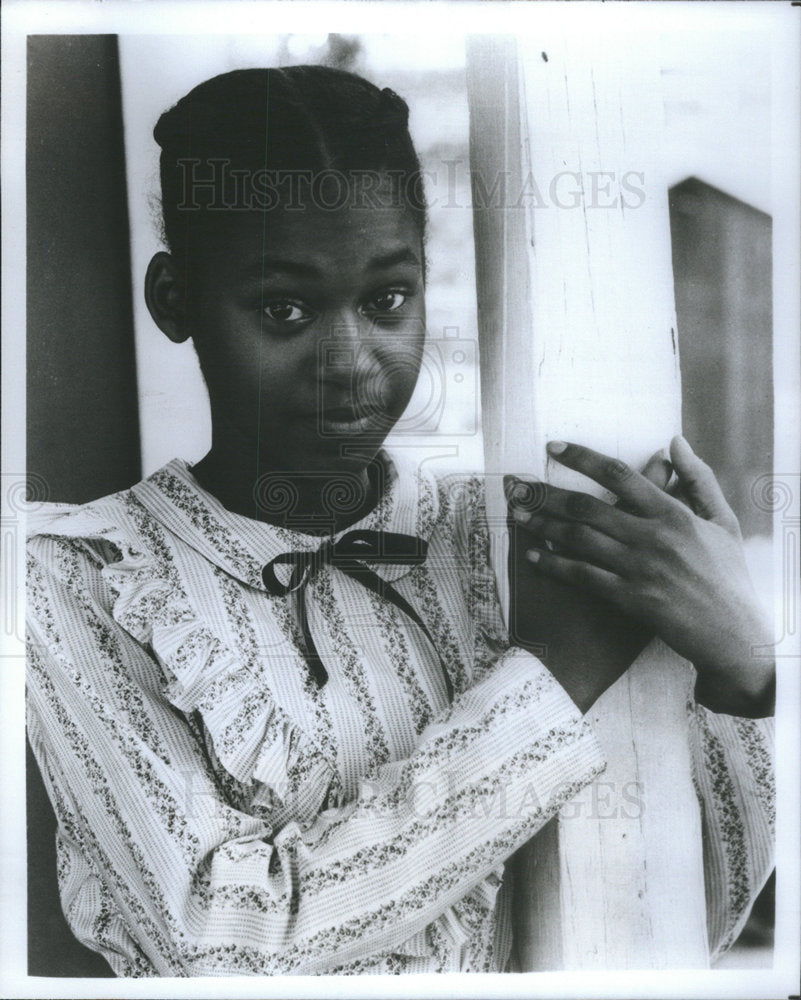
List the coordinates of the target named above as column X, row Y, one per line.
column 386, row 302
column 285, row 311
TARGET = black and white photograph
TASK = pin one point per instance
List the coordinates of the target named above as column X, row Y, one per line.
column 401, row 487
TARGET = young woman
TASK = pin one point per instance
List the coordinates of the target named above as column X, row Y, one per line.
column 271, row 694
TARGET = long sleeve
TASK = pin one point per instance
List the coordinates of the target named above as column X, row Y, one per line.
column 734, row 774
column 733, row 762
column 160, row 872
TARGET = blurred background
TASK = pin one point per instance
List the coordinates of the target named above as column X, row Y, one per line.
column 111, row 399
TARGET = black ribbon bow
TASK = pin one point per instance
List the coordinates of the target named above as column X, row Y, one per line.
column 350, row 554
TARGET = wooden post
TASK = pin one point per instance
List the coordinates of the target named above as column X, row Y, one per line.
column 577, row 341
column 79, row 302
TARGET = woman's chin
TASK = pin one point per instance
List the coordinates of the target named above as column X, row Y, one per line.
column 324, row 440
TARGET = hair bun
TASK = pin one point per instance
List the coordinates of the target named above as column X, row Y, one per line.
column 392, row 110
column 165, row 129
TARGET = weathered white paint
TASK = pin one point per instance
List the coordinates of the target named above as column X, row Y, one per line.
column 577, row 324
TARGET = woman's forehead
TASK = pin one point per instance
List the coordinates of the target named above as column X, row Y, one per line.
column 313, row 238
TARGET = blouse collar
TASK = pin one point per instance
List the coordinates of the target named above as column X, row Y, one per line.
column 241, row 546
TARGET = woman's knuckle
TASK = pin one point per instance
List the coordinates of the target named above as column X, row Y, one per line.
column 692, row 530
column 647, row 597
column 617, row 469
column 661, row 539
column 639, row 564
column 677, row 517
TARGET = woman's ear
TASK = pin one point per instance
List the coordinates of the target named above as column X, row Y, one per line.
column 164, row 295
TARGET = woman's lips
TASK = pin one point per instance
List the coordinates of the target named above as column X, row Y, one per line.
column 349, row 420
column 344, row 414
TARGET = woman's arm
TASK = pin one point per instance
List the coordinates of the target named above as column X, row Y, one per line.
column 679, row 572
column 733, row 762
column 183, row 883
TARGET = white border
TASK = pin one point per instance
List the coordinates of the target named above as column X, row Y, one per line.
column 20, row 17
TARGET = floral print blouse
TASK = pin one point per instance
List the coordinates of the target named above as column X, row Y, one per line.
column 222, row 813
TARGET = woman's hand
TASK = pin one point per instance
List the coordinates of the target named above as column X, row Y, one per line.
column 680, row 572
column 584, row 640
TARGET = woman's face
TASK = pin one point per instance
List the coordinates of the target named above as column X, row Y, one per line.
column 309, row 327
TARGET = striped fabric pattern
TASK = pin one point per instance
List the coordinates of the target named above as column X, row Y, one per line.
column 221, row 814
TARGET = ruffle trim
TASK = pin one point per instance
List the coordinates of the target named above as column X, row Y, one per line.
column 455, row 930
column 252, row 737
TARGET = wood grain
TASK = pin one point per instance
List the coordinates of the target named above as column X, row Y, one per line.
column 577, row 341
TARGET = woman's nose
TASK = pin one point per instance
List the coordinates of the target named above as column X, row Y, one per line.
column 349, row 324
column 350, row 351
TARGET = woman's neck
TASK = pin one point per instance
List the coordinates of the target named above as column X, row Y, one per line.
column 312, row 502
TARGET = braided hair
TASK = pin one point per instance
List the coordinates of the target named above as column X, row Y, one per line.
column 237, row 139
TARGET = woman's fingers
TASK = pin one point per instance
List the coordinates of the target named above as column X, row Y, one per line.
column 701, row 488
column 524, row 493
column 638, row 494
column 576, row 539
column 531, row 499
column 658, row 471
column 614, row 536
column 598, row 581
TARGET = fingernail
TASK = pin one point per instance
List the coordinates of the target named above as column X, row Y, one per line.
column 533, row 555
column 556, row 447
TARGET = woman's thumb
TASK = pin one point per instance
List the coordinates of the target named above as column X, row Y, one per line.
column 658, row 469
column 700, row 486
